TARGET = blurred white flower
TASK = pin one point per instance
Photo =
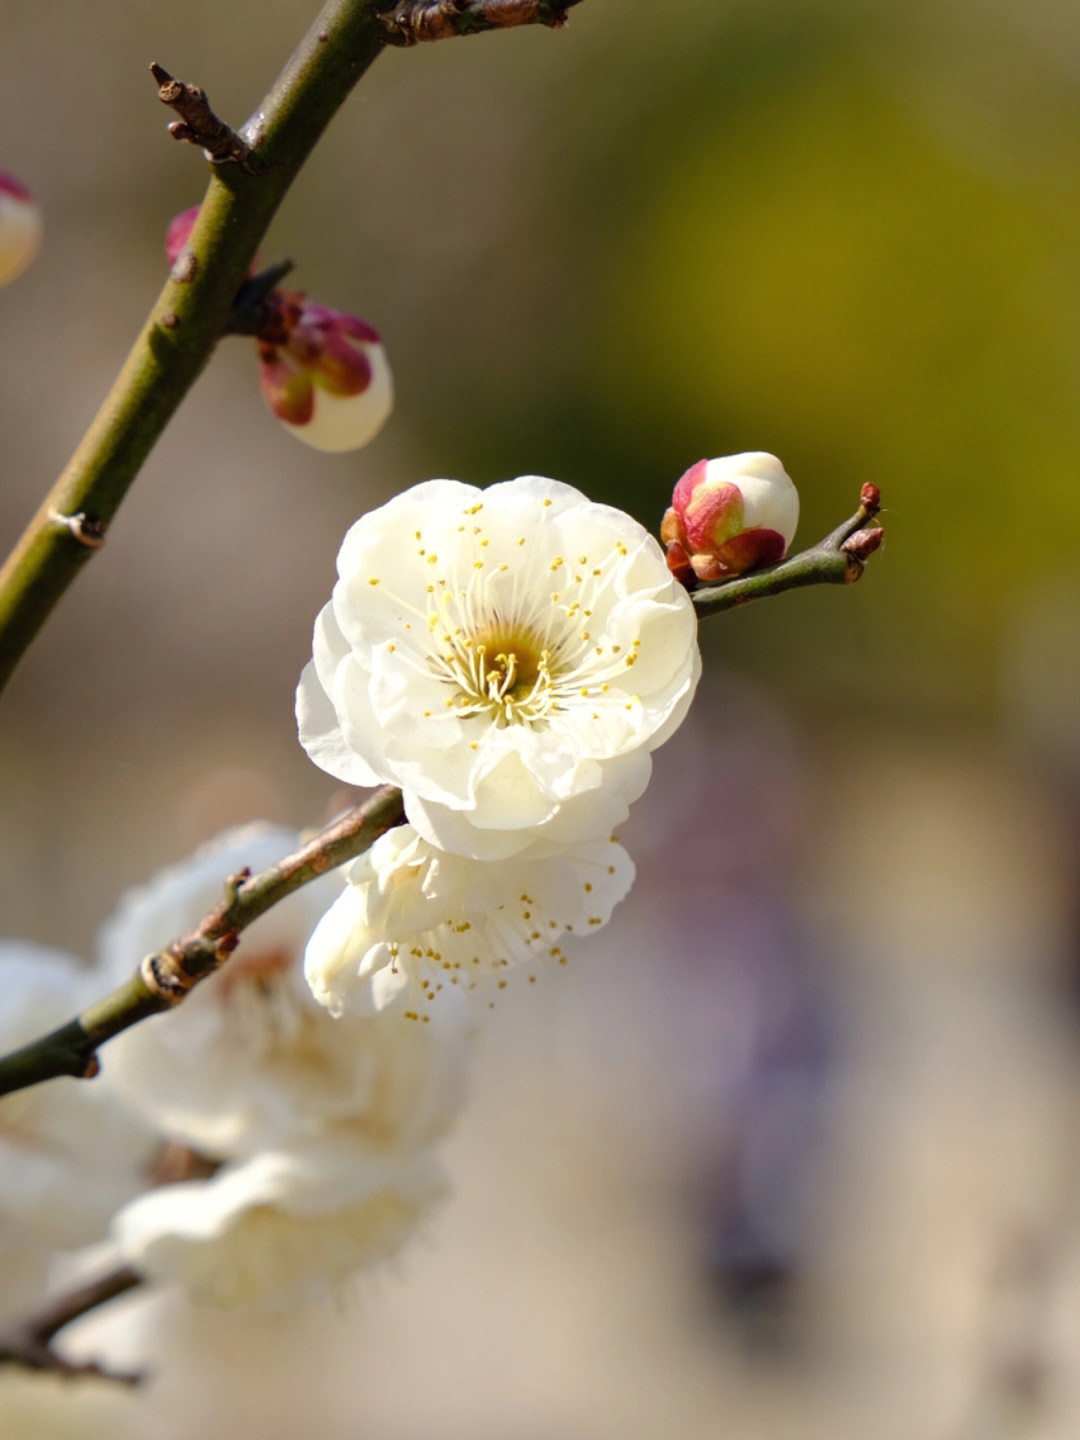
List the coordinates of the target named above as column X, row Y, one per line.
column 509, row 657
column 21, row 228
column 324, row 1127
column 249, row 1061
column 730, row 515
column 283, row 1227
column 415, row 920
column 53, row 1407
column 70, row 1153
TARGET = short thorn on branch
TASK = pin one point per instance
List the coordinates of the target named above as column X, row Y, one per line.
column 411, row 21
column 90, row 533
column 839, row 559
column 198, row 123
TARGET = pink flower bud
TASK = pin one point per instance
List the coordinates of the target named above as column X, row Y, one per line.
column 730, row 515
column 20, row 228
column 324, row 374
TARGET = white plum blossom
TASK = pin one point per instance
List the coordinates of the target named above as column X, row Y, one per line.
column 283, row 1227
column 415, row 921
column 322, row 1130
column 509, row 657
column 70, row 1153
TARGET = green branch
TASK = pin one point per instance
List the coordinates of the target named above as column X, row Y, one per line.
column 165, row 978
column 839, row 559
column 251, row 172
column 188, row 318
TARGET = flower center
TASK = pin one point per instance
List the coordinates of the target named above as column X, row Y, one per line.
column 502, row 671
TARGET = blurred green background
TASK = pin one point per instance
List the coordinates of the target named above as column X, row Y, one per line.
column 846, row 233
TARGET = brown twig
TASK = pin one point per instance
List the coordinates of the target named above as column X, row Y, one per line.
column 839, row 559
column 197, row 123
column 30, row 1344
column 411, row 21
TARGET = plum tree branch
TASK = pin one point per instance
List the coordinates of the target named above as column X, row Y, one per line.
column 166, row 977
column 194, row 307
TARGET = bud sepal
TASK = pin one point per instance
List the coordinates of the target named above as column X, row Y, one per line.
column 324, row 374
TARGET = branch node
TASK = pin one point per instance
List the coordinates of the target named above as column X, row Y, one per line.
column 232, row 887
column 198, row 124
column 165, row 975
column 90, row 533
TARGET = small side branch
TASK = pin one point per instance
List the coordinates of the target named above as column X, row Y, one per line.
column 411, row 21
column 839, row 559
column 165, row 978
column 30, row 1344
column 198, row 123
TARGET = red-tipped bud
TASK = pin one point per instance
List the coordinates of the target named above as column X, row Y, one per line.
column 21, row 228
column 325, row 375
column 730, row 515
column 870, row 497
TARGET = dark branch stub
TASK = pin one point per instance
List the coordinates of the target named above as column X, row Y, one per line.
column 89, row 533
column 411, row 21
column 198, row 123
column 256, row 301
column 30, row 1344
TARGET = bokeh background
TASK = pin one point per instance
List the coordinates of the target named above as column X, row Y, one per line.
column 793, row 1149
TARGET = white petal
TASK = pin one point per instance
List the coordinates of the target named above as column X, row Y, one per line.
column 415, row 930
column 589, row 815
column 283, row 1228
column 348, row 422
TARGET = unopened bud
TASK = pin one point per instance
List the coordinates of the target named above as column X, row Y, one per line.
column 730, row 515
column 21, row 228
column 325, row 375
column 870, row 498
